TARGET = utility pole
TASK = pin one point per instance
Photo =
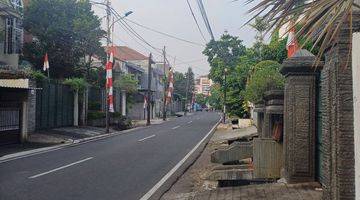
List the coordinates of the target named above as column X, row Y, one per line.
column 149, row 91
column 225, row 88
column 108, row 19
column 165, row 87
column 187, row 90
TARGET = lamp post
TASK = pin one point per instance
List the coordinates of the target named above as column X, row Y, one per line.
column 225, row 88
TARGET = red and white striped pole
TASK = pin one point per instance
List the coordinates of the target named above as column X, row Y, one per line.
column 109, row 81
column 171, row 87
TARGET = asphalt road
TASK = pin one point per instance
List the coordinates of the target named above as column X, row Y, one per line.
column 120, row 167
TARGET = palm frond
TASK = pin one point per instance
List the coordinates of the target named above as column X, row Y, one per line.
column 321, row 20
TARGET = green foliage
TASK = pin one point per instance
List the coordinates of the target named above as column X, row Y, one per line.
column 265, row 76
column 216, row 98
column 201, row 99
column 180, row 82
column 222, row 54
column 77, row 84
column 92, row 115
column 67, row 30
column 127, row 82
column 36, row 74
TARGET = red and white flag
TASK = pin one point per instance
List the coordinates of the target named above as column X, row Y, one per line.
column 109, row 80
column 46, row 63
column 292, row 45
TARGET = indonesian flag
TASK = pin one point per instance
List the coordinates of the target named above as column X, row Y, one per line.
column 292, row 45
column 46, row 63
column 109, row 80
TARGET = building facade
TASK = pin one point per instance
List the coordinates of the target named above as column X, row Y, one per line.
column 203, row 85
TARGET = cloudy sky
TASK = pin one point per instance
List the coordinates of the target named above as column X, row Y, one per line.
column 174, row 17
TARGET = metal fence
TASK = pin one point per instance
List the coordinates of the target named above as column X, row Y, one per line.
column 9, row 117
column 54, row 105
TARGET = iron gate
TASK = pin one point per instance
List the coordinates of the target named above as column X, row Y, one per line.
column 10, row 120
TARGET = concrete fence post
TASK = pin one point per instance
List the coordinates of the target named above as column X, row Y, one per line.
column 356, row 93
column 76, row 108
column 123, row 103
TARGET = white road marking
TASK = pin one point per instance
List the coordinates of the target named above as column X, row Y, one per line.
column 190, row 122
column 60, row 168
column 176, row 127
column 177, row 166
column 151, row 136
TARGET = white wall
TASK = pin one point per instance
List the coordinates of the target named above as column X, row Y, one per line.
column 356, row 88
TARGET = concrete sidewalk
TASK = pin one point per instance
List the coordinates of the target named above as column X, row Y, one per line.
column 194, row 183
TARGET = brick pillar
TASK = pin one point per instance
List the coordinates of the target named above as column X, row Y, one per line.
column 338, row 117
column 299, row 117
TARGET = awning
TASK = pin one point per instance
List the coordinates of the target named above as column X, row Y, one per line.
column 17, row 84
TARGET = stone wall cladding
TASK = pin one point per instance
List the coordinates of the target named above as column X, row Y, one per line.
column 338, row 128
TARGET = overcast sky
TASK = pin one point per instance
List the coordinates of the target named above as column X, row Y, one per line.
column 174, row 17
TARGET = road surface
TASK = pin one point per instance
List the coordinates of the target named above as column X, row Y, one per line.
column 121, row 167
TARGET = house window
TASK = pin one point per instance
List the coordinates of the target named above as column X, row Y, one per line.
column 13, row 36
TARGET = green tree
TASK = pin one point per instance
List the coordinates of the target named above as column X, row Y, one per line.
column 127, row 82
column 264, row 76
column 201, row 99
column 67, row 30
column 216, row 97
column 180, row 82
column 223, row 53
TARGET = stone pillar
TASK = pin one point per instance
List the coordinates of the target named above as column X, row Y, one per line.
column 76, row 108
column 274, row 100
column 300, row 116
column 259, row 109
column 123, row 103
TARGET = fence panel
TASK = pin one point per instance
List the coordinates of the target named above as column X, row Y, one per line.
column 54, row 105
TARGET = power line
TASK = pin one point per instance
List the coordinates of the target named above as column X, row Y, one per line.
column 205, row 18
column 166, row 34
column 197, row 24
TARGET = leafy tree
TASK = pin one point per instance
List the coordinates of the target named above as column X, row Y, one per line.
column 223, row 53
column 67, row 30
column 127, row 82
column 264, row 76
column 201, row 99
column 180, row 82
column 216, row 97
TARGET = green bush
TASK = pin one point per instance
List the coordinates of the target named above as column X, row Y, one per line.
column 77, row 84
column 96, row 115
column 265, row 76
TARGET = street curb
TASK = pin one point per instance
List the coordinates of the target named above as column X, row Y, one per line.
column 23, row 154
column 165, row 185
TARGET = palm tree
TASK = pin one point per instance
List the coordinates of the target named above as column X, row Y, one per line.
column 320, row 19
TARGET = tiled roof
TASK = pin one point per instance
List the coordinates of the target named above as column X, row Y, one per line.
column 125, row 53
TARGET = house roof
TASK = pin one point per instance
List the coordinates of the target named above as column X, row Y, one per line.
column 125, row 53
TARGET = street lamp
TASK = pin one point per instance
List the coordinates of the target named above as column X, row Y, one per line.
column 121, row 18
column 225, row 88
